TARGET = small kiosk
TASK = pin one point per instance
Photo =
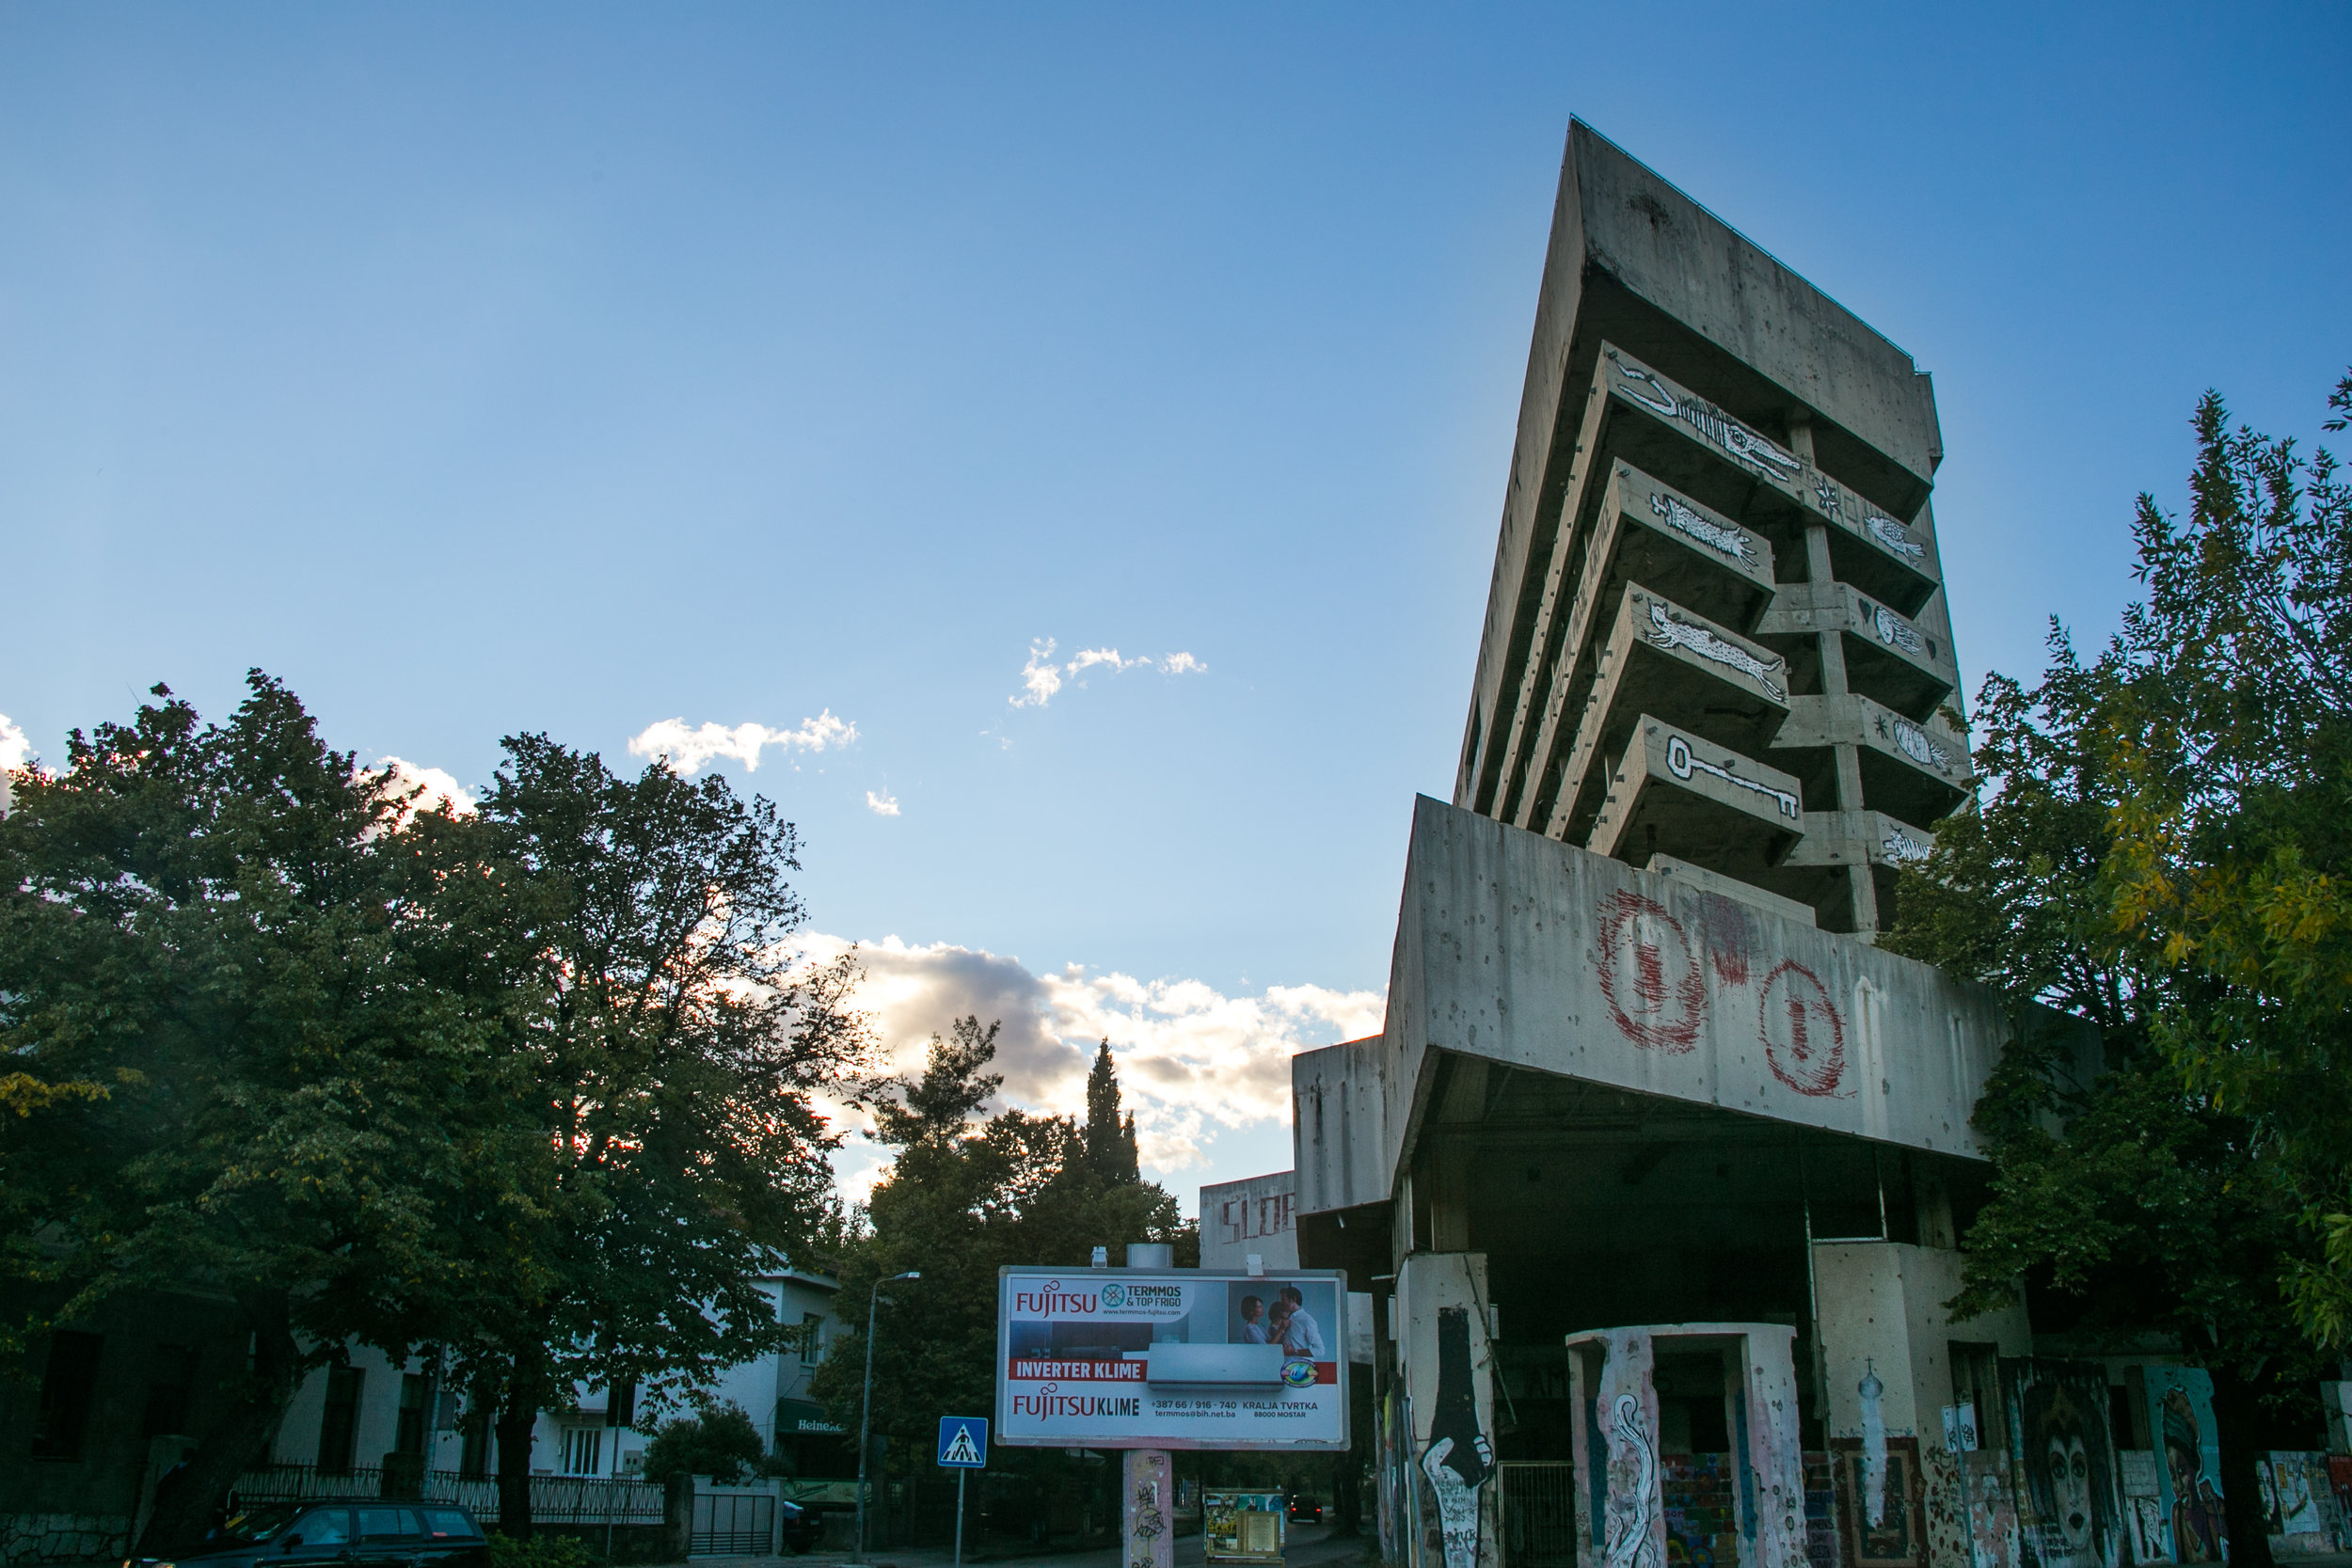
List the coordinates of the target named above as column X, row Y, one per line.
column 1243, row 1527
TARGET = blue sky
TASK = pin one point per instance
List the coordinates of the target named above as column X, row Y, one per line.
column 577, row 367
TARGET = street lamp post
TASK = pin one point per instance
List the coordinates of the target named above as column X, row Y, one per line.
column 865, row 1405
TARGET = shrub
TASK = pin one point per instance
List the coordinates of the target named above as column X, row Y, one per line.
column 541, row 1551
column 719, row 1443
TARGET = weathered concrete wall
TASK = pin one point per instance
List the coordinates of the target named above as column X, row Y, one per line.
column 1518, row 949
column 1881, row 1308
column 1339, row 1128
column 1254, row 1215
column 1699, row 270
column 1441, row 1307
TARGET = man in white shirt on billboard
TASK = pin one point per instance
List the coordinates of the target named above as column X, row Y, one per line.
column 1301, row 1333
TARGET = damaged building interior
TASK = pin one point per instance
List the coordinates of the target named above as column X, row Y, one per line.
column 1657, row 1171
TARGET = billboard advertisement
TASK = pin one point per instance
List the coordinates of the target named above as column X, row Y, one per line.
column 1171, row 1358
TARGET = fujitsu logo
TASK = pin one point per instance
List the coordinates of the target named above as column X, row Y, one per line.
column 1050, row 1300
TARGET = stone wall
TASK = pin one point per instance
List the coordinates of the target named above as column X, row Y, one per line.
column 63, row 1537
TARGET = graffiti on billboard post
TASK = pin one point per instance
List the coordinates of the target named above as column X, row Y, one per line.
column 1458, row 1459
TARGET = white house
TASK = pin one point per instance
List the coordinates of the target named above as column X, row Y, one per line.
column 351, row 1418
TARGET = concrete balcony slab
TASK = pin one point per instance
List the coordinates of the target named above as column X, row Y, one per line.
column 1719, row 809
column 1662, row 659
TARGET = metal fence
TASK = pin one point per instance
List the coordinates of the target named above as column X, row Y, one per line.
column 554, row 1499
column 733, row 1524
column 1538, row 1507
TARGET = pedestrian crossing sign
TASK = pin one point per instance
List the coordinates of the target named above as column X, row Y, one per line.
column 963, row 1442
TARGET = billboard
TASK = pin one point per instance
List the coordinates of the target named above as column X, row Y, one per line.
column 1171, row 1358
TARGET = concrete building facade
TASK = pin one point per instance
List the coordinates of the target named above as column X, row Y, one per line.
column 1659, row 1166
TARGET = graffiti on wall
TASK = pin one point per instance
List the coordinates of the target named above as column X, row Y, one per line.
column 2188, row 1461
column 1650, row 968
column 2057, row 1430
column 1804, row 1040
column 1649, row 973
column 1458, row 1459
column 1633, row 1489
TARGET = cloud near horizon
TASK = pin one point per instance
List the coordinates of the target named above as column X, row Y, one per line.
column 1192, row 1061
column 689, row 750
column 1041, row 678
column 437, row 784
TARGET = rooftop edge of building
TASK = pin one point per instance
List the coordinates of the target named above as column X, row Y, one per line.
column 1668, row 250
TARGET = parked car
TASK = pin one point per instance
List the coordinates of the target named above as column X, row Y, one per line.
column 1306, row 1510
column 798, row 1528
column 350, row 1532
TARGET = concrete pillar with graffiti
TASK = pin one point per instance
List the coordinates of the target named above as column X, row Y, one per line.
column 1148, row 1508
column 1449, row 1396
column 1621, row 1496
column 1620, row 1501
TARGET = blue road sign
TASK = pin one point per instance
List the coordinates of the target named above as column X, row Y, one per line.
column 963, row 1442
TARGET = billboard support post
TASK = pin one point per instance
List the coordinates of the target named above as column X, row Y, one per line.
column 1149, row 1482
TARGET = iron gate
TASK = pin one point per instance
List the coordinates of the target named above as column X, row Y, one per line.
column 741, row 1524
column 1538, row 1508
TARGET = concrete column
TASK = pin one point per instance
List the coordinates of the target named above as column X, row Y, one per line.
column 1762, row 1385
column 1887, row 1352
column 1449, row 1392
column 1148, row 1508
column 1620, row 1505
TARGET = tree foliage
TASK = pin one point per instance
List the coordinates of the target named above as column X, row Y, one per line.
column 230, row 1065
column 533, row 1086
column 2234, row 822
column 2116, row 874
column 963, row 1196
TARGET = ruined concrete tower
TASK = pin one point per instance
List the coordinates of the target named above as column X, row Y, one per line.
column 1716, row 643
column 1654, row 1135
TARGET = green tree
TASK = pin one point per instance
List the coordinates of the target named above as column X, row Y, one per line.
column 962, row 1197
column 2234, row 818
column 1110, row 1139
column 2161, row 1195
column 229, row 1066
column 663, row 1146
column 720, row 1442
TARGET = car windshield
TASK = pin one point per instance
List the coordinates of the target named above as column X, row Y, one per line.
column 257, row 1524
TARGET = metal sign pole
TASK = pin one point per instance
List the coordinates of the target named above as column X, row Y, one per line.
column 960, row 1480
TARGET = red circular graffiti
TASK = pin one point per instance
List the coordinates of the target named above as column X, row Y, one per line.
column 1804, row 1040
column 1649, row 972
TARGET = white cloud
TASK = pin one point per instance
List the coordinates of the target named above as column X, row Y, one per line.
column 689, row 750
column 882, row 805
column 437, row 784
column 1040, row 677
column 15, row 752
column 1193, row 1062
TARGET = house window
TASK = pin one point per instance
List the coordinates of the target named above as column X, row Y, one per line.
column 473, row 1445
column 339, row 1426
column 620, row 1403
column 171, row 1372
column 67, row 1386
column 582, row 1447
column 812, row 1339
column 416, row 1393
